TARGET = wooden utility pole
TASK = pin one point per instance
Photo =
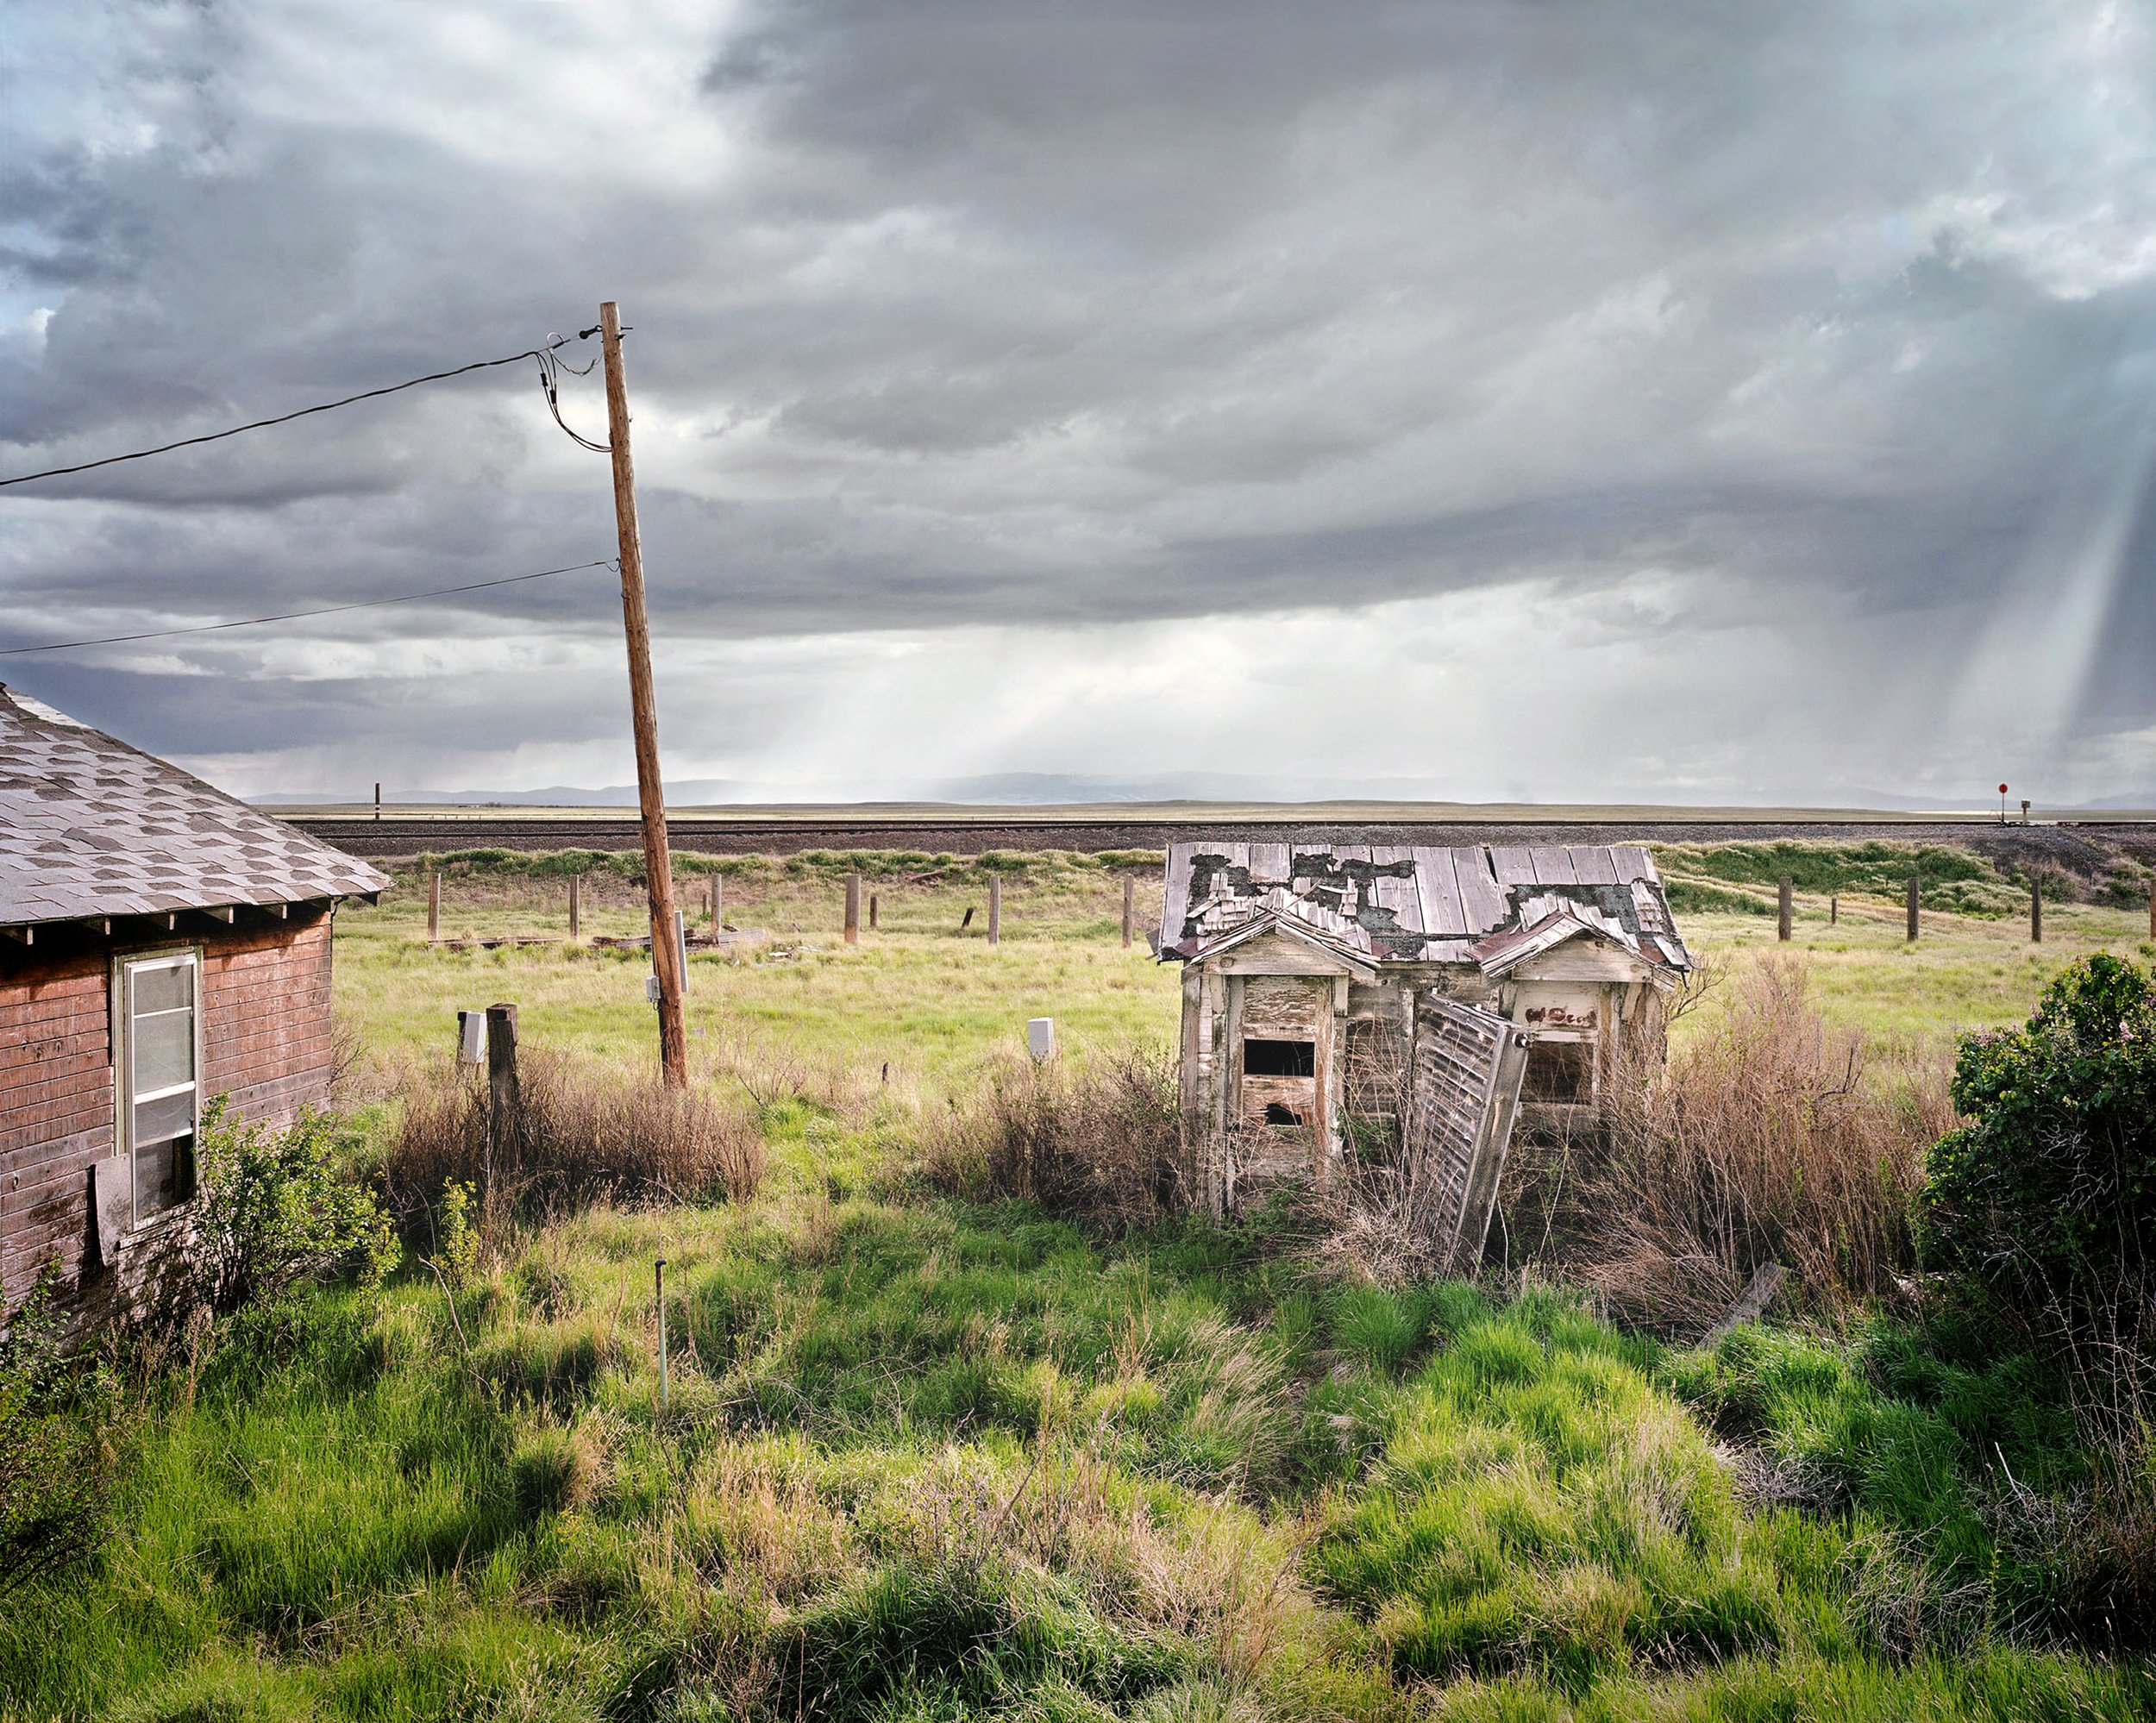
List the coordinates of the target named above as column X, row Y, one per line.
column 853, row 909
column 651, row 796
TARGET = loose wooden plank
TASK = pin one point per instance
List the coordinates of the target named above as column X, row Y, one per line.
column 1481, row 899
column 1397, row 893
column 1512, row 866
column 1175, row 904
column 1439, row 887
column 1592, row 864
column 1634, row 861
column 1269, row 862
column 1553, row 865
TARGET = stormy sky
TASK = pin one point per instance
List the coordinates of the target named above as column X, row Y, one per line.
column 1543, row 400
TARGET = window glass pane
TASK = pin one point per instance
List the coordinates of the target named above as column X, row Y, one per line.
column 168, row 1116
column 164, row 986
column 161, row 1173
column 163, row 1050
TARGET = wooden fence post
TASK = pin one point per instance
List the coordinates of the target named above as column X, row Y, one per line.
column 504, row 1100
column 576, row 905
column 434, row 906
column 2035, row 908
column 853, row 909
column 871, row 911
column 718, row 901
column 1781, row 925
column 2151, row 909
column 1834, row 908
column 996, row 909
column 1130, row 901
column 1913, row 907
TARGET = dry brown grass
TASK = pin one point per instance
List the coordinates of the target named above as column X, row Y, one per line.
column 584, row 1132
column 1770, row 1138
column 1104, row 1138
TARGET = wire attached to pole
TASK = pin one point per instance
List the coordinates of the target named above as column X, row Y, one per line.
column 294, row 615
column 549, row 365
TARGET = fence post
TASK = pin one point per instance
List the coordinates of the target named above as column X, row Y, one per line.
column 503, row 1097
column 718, row 901
column 576, row 905
column 1913, row 907
column 2151, row 909
column 871, row 911
column 1130, row 901
column 2035, row 908
column 1834, row 908
column 659, row 1298
column 434, row 906
column 996, row 909
column 853, row 909
column 1781, row 925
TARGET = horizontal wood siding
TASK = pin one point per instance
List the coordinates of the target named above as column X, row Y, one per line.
column 266, row 1041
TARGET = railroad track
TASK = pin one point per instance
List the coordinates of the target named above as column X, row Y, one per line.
column 398, row 836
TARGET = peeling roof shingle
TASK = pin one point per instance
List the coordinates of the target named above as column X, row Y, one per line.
column 88, row 827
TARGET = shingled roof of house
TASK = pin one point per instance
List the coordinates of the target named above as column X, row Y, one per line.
column 91, row 827
column 1481, row 904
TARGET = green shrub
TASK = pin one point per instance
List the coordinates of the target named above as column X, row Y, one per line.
column 2048, row 1195
column 272, row 1210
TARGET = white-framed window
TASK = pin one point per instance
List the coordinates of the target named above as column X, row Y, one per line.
column 157, row 1072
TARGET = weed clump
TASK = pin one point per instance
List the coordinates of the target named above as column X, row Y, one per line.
column 1768, row 1138
column 1104, row 1140
column 582, row 1134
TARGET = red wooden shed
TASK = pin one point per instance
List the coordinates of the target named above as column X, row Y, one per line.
column 160, row 943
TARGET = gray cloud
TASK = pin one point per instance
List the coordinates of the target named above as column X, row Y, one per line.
column 959, row 316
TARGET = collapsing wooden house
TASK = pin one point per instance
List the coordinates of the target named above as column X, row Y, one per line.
column 161, row 944
column 1441, row 995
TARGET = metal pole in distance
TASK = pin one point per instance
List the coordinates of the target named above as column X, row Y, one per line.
column 659, row 1298
column 651, row 796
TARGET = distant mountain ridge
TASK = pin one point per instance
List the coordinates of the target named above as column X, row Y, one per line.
column 1027, row 789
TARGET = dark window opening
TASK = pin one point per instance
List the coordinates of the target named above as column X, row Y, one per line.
column 1279, row 1113
column 1280, row 1058
column 1559, row 1073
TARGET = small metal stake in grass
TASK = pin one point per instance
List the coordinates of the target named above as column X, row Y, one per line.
column 659, row 1297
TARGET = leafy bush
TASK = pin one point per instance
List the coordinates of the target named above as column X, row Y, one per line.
column 53, row 1465
column 2048, row 1195
column 272, row 1210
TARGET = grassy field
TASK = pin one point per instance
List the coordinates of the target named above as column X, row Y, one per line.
column 920, row 1459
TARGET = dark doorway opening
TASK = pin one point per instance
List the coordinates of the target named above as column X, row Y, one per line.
column 1280, row 1058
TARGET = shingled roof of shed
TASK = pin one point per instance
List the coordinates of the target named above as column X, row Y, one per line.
column 91, row 827
column 1424, row 905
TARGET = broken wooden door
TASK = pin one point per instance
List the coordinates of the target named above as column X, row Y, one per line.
column 1465, row 1088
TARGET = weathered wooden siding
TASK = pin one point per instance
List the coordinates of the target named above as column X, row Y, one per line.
column 266, row 1041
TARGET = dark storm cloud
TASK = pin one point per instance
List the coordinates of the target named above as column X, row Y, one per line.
column 960, row 314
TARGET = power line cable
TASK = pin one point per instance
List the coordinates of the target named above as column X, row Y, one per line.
column 293, row 616
column 548, row 364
